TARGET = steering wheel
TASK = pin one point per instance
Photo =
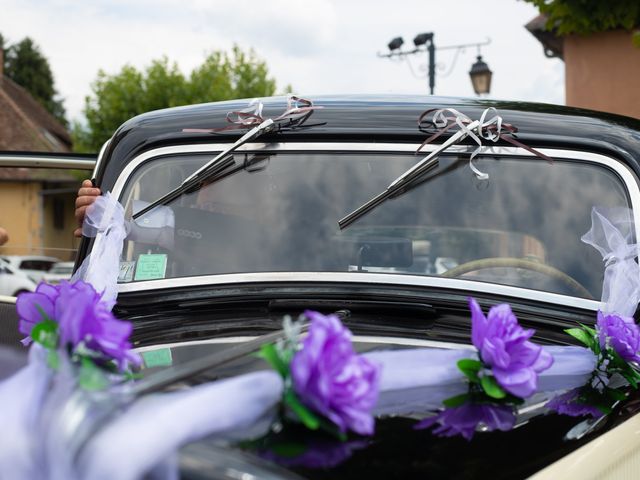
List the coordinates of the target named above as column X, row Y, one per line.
column 510, row 262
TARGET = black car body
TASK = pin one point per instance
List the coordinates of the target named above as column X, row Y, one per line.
column 271, row 246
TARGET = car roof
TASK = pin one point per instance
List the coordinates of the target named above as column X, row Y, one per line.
column 372, row 118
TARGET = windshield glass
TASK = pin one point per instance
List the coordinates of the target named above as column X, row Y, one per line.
column 279, row 212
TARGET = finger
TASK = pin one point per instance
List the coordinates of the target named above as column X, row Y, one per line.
column 85, row 201
column 87, row 183
column 77, row 233
column 80, row 214
column 93, row 192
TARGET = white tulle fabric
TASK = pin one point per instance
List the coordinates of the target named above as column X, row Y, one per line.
column 613, row 235
column 21, row 399
column 104, row 220
column 36, row 423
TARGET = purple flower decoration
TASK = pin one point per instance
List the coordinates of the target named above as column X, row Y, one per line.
column 332, row 379
column 569, row 404
column 504, row 346
column 30, row 307
column 465, row 419
column 82, row 317
column 620, row 333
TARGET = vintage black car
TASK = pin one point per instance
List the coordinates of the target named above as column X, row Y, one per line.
column 318, row 205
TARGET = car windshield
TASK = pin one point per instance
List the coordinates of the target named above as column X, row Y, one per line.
column 279, row 213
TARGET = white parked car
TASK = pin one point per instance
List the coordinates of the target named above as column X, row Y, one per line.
column 13, row 281
column 34, row 266
column 60, row 271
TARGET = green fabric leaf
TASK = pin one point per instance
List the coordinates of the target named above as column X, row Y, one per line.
column 309, row 419
column 582, row 336
column 456, row 401
column 470, row 368
column 491, row 387
column 46, row 334
column 91, row 377
column 53, row 360
column 269, row 352
column 636, row 39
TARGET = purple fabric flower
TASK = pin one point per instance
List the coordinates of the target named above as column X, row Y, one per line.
column 621, row 333
column 82, row 317
column 464, row 420
column 505, row 347
column 28, row 305
column 569, row 404
column 332, row 379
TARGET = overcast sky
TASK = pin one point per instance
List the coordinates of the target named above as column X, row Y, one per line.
column 317, row 46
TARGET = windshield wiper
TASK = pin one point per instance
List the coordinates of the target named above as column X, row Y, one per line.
column 405, row 181
column 212, row 167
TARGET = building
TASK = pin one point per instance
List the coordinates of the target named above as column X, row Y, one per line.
column 36, row 205
column 602, row 70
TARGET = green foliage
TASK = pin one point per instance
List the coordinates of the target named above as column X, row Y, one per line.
column 45, row 333
column 470, row 368
column 25, row 65
column 585, row 17
column 491, row 387
column 117, row 98
column 582, row 336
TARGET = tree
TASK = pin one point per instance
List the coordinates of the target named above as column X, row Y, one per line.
column 25, row 65
column 117, row 98
column 585, row 17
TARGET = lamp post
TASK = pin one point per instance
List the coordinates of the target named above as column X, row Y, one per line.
column 480, row 73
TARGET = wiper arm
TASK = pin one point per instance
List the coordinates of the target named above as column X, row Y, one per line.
column 215, row 165
column 405, row 180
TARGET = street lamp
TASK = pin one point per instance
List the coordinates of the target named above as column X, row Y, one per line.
column 395, row 44
column 480, row 76
column 480, row 73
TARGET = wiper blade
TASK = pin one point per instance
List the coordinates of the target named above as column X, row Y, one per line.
column 196, row 366
column 405, row 180
column 212, row 167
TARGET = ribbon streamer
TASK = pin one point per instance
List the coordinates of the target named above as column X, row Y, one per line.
column 612, row 233
column 105, row 221
column 492, row 129
column 297, row 112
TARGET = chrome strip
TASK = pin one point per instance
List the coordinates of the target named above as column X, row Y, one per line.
column 100, row 158
column 360, row 277
column 35, row 161
column 627, row 176
column 409, row 342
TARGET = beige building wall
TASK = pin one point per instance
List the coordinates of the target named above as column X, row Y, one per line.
column 21, row 216
column 602, row 72
column 58, row 225
column 34, row 227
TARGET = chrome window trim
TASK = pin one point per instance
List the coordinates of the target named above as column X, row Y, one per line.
column 343, row 278
column 96, row 167
column 625, row 174
column 407, row 342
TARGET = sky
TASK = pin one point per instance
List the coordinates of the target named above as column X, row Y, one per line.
column 317, row 46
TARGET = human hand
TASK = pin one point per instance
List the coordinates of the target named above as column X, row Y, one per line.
column 87, row 194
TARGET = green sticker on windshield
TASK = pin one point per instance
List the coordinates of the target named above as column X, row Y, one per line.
column 158, row 358
column 151, row 266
